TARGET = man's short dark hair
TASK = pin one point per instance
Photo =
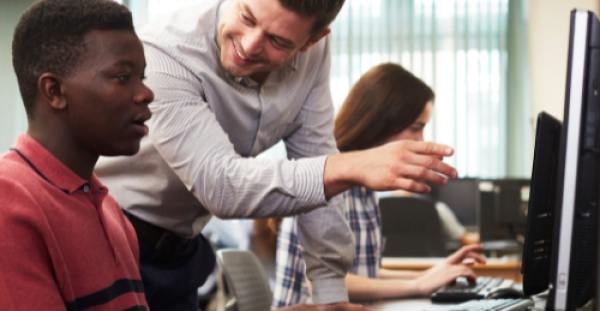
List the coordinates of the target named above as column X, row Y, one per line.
column 324, row 11
column 49, row 37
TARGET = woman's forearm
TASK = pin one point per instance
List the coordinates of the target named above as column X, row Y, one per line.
column 386, row 274
column 363, row 289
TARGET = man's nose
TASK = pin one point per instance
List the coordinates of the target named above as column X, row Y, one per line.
column 252, row 42
column 144, row 95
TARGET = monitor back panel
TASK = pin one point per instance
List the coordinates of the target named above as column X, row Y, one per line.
column 537, row 251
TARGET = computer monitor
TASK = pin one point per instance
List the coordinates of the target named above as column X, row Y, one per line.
column 503, row 209
column 572, row 275
column 537, row 250
column 462, row 196
column 511, row 198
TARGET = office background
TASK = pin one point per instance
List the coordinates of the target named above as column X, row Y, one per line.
column 494, row 64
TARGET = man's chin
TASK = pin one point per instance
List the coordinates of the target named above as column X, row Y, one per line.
column 236, row 71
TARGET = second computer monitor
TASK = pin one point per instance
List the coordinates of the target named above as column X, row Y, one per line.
column 503, row 210
column 462, row 196
column 537, row 252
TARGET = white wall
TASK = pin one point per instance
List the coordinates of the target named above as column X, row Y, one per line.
column 12, row 112
column 548, row 50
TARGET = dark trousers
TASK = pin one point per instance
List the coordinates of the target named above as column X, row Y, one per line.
column 171, row 279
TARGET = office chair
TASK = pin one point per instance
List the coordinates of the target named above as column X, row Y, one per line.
column 411, row 227
column 246, row 280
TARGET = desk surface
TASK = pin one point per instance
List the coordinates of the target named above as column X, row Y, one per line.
column 416, row 263
column 407, row 305
column 424, row 304
column 495, row 267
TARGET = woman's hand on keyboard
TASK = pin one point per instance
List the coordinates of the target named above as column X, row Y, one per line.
column 454, row 266
column 466, row 255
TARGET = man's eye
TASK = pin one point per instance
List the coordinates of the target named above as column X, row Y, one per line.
column 244, row 17
column 276, row 43
column 123, row 78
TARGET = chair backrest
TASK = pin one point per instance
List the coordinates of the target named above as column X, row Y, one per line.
column 411, row 227
column 246, row 279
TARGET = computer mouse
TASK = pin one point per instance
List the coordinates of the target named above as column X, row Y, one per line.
column 504, row 293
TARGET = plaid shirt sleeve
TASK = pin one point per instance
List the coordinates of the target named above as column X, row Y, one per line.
column 364, row 218
column 290, row 279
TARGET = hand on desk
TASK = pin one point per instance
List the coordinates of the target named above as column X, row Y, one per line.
column 447, row 271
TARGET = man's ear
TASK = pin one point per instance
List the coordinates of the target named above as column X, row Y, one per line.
column 51, row 91
column 314, row 40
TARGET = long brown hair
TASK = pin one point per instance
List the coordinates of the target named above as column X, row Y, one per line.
column 385, row 101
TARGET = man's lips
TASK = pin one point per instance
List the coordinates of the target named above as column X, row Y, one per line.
column 141, row 118
column 240, row 57
column 138, row 123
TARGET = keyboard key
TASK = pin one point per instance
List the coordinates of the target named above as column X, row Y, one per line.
column 494, row 305
column 461, row 290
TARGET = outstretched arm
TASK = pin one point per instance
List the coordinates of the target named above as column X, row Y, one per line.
column 396, row 165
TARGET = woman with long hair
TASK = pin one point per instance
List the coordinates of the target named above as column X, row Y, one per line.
column 388, row 104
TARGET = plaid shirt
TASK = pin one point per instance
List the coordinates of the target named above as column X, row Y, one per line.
column 364, row 218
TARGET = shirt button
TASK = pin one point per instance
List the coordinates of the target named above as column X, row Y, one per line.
column 86, row 188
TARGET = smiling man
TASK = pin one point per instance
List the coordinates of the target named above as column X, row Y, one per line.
column 232, row 78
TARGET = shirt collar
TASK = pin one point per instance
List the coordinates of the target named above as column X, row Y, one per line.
column 274, row 77
column 50, row 167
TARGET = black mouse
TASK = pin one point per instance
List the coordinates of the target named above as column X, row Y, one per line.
column 504, row 293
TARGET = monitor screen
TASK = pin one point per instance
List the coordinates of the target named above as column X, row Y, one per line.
column 462, row 196
column 511, row 198
column 503, row 209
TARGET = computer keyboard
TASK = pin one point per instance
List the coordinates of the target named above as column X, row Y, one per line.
column 461, row 290
column 494, row 305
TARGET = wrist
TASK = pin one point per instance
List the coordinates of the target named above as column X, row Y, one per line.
column 422, row 287
column 338, row 175
column 415, row 288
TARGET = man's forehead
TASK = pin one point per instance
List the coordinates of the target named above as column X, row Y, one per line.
column 103, row 44
column 113, row 39
column 289, row 24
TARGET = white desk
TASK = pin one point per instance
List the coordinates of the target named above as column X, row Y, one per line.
column 424, row 304
column 418, row 304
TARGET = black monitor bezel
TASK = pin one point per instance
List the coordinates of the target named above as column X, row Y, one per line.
column 537, row 249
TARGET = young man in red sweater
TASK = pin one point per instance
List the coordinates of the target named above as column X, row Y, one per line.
column 64, row 242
